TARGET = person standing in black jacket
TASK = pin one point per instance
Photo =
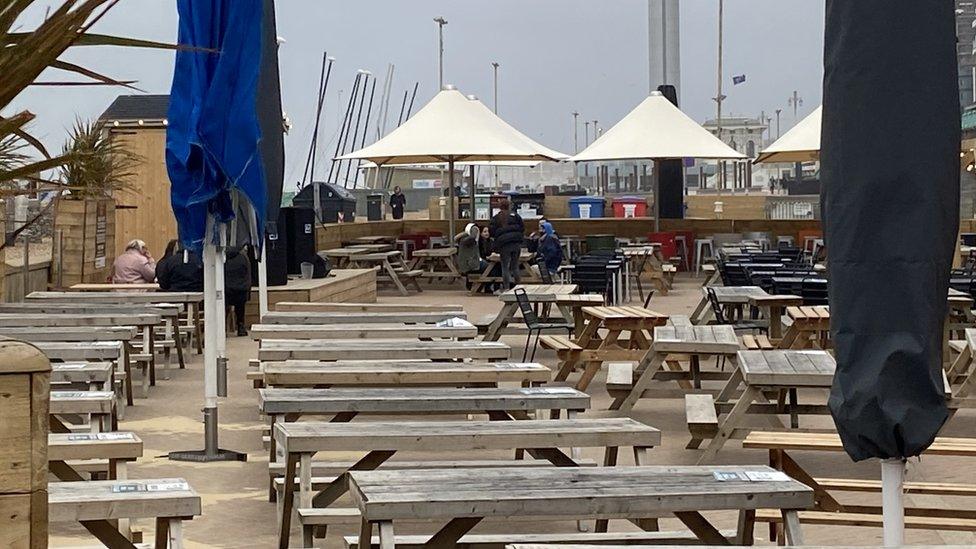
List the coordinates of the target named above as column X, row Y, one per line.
column 508, row 232
column 397, row 203
column 237, row 284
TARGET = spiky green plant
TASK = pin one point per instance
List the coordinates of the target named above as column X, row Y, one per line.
column 97, row 163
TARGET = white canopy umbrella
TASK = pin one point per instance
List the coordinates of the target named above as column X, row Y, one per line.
column 451, row 129
column 656, row 130
column 800, row 144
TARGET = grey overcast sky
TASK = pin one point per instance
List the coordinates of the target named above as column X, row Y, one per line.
column 556, row 56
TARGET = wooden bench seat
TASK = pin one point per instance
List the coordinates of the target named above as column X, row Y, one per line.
column 702, row 418
column 501, row 541
column 871, row 520
column 759, row 342
column 558, row 343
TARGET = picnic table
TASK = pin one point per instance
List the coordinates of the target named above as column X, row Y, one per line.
column 563, row 296
column 456, row 328
column 380, row 349
column 526, row 267
column 759, row 372
column 773, row 307
column 308, row 373
column 341, row 257
column 380, row 441
column 387, row 496
column 733, row 296
column 98, row 504
column 98, row 405
column 303, row 307
column 374, row 239
column 595, row 349
column 352, row 317
column 436, row 263
column 99, row 376
column 117, row 448
column 390, row 266
column 810, row 328
column 141, row 286
column 660, row 362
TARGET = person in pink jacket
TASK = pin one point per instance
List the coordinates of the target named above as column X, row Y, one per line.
column 135, row 266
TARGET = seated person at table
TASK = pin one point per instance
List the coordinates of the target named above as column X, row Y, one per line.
column 237, row 284
column 135, row 266
column 532, row 242
column 179, row 270
column 549, row 247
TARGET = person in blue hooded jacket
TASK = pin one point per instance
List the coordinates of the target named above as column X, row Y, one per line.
column 550, row 248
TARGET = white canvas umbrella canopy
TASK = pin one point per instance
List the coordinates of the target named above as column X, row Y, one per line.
column 656, row 130
column 800, row 144
column 451, row 129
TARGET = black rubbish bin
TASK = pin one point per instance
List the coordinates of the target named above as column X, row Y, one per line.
column 338, row 205
column 374, row 207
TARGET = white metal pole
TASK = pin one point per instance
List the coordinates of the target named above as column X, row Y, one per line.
column 221, row 311
column 210, row 346
column 893, row 505
column 263, row 281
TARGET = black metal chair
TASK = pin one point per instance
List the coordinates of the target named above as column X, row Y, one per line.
column 534, row 324
column 720, row 318
column 544, row 274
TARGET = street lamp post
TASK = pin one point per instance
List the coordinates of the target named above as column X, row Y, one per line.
column 778, row 111
column 796, row 102
column 440, row 35
column 576, row 173
column 494, row 67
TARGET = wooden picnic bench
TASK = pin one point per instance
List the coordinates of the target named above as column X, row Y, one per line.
column 456, row 328
column 97, row 376
column 97, row 504
column 527, row 272
column 661, row 362
column 419, row 317
column 436, row 264
column 287, row 306
column 301, row 373
column 829, row 510
column 99, row 406
column 385, row 497
column 142, row 287
column 594, row 348
column 390, row 267
column 733, row 297
column 778, row 372
column 810, row 328
column 773, row 307
column 346, row 349
column 380, row 441
column 563, row 296
column 69, row 452
column 341, row 257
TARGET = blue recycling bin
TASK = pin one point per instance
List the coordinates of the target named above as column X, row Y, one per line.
column 586, row 207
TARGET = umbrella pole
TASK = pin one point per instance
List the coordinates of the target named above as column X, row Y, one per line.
column 263, row 281
column 657, row 196
column 450, row 200
column 212, row 298
column 893, row 504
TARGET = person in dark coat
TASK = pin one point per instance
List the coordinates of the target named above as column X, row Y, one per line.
column 549, row 247
column 179, row 270
column 397, row 203
column 237, row 284
column 508, row 231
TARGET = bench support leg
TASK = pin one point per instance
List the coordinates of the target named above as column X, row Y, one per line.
column 107, row 534
column 387, row 539
column 791, row 525
column 700, row 526
column 365, row 534
column 745, row 533
column 449, row 535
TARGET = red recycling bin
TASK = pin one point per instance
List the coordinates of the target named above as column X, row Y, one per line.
column 629, row 206
column 669, row 248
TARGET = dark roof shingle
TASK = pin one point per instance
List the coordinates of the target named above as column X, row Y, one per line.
column 137, row 107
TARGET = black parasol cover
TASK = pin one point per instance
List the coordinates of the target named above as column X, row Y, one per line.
column 890, row 172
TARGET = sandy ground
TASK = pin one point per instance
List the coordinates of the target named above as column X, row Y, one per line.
column 236, row 512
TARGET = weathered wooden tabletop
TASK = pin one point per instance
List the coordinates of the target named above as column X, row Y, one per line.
column 737, row 295
column 419, row 317
column 695, row 339
column 309, row 373
column 787, row 369
column 414, row 400
column 101, row 500
column 459, row 328
column 120, row 297
column 346, row 349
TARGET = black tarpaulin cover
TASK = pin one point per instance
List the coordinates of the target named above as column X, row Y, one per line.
column 890, row 172
column 270, row 116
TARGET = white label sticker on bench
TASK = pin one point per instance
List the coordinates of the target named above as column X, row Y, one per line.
column 115, row 436
column 73, row 366
column 167, row 487
column 453, row 323
column 548, row 391
column 767, row 476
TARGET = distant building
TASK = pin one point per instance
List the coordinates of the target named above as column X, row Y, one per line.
column 966, row 50
column 745, row 135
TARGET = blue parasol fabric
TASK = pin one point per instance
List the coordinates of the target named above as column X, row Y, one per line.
column 213, row 137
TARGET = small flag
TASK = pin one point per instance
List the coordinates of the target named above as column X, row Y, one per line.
column 741, row 79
